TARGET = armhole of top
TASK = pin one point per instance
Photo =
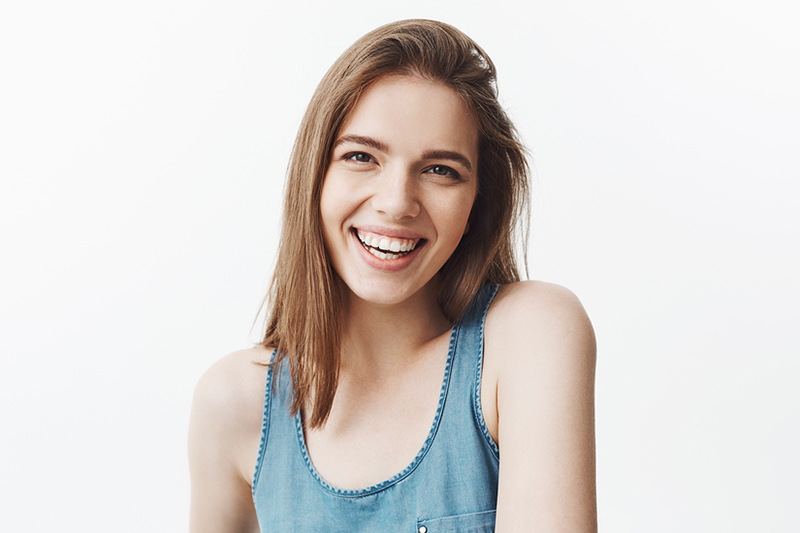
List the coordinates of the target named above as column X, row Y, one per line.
column 264, row 423
column 477, row 409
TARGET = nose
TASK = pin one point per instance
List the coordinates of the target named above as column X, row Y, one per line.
column 396, row 194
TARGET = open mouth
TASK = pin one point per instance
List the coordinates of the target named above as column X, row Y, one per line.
column 386, row 248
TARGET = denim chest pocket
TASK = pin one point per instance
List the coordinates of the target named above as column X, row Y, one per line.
column 464, row 523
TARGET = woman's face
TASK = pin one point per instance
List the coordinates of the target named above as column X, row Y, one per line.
column 400, row 187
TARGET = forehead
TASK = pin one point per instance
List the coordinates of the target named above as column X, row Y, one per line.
column 415, row 114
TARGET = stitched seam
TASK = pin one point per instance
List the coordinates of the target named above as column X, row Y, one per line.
column 476, row 399
column 264, row 425
column 358, row 493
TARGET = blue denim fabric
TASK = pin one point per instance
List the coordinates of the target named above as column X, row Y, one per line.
column 450, row 486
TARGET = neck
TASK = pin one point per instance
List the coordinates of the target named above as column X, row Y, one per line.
column 382, row 339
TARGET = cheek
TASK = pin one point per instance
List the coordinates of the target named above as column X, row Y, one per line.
column 461, row 211
column 465, row 216
column 328, row 223
column 335, row 206
column 327, row 206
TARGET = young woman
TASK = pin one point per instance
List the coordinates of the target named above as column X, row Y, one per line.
column 407, row 381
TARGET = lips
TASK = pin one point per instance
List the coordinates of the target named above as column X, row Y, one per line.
column 385, row 247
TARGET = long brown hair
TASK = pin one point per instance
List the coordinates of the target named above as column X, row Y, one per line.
column 304, row 314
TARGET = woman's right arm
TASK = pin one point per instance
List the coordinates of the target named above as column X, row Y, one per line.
column 224, row 435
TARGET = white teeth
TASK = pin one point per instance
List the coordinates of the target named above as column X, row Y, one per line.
column 384, row 248
column 383, row 256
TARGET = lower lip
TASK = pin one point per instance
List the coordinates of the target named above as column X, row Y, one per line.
column 387, row 265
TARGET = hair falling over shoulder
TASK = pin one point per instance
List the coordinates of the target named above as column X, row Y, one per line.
column 304, row 303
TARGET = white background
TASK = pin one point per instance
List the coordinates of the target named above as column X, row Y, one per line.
column 142, row 152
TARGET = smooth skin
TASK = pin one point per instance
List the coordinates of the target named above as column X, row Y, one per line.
column 404, row 165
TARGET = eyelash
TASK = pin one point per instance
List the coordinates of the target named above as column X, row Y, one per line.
column 351, row 156
column 450, row 172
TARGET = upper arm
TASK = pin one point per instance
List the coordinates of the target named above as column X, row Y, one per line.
column 224, row 432
column 544, row 352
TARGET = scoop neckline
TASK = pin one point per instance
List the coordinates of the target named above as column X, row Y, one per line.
column 352, row 493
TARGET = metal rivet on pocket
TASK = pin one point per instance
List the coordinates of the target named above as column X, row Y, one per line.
column 423, row 529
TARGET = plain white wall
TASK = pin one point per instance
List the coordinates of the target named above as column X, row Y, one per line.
column 142, row 153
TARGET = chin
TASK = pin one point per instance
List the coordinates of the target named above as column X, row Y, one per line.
column 384, row 296
column 384, row 293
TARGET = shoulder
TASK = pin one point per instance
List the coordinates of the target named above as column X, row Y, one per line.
column 534, row 317
column 224, row 434
column 539, row 345
column 540, row 359
column 234, row 382
column 227, row 406
column 537, row 298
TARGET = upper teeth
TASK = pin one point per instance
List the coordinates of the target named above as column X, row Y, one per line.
column 387, row 244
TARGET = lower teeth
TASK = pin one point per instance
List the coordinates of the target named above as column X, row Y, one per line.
column 384, row 256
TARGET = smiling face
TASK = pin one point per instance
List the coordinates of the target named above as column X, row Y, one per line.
column 399, row 189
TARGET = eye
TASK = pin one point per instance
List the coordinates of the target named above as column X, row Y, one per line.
column 359, row 157
column 441, row 170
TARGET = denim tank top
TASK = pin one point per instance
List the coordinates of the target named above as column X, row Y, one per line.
column 451, row 485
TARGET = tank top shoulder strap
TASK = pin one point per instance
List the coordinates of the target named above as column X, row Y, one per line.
column 467, row 364
column 275, row 419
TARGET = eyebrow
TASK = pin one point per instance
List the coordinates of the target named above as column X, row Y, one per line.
column 360, row 139
column 382, row 146
column 448, row 154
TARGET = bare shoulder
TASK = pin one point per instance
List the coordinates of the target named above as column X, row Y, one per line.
column 224, row 434
column 540, row 364
column 527, row 300
column 232, row 384
column 538, row 337
column 535, row 317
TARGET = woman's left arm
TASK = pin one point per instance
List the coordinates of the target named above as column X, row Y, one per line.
column 544, row 350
